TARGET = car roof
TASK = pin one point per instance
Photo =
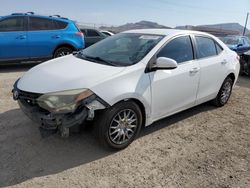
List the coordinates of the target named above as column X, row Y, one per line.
column 165, row 31
column 54, row 17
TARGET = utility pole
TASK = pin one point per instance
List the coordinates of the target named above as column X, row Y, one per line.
column 245, row 24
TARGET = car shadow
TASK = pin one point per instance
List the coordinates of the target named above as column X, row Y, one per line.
column 244, row 81
column 171, row 120
column 25, row 154
column 17, row 67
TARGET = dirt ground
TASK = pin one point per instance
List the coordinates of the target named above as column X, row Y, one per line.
column 201, row 147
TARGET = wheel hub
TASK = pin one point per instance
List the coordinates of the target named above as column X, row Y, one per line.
column 123, row 126
column 226, row 92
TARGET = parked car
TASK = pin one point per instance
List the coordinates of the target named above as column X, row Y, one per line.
column 127, row 81
column 92, row 36
column 239, row 44
column 26, row 36
column 108, row 33
column 245, row 63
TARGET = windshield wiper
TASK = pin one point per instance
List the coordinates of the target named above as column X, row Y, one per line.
column 99, row 59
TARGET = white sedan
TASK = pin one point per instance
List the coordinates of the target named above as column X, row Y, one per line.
column 127, row 81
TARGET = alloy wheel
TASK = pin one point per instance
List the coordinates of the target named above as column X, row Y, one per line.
column 63, row 53
column 123, row 126
column 226, row 92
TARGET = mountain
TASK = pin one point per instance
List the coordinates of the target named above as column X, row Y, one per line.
column 224, row 26
column 138, row 25
column 229, row 26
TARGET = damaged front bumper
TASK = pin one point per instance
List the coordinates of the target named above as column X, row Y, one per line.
column 51, row 121
column 57, row 121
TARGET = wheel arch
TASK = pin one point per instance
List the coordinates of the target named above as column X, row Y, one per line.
column 64, row 45
column 141, row 106
column 232, row 76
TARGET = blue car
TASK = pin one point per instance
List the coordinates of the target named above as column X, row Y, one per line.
column 26, row 36
column 239, row 44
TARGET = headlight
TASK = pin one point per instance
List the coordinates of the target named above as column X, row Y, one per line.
column 64, row 101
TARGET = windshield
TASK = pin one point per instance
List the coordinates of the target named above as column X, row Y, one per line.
column 123, row 49
column 230, row 40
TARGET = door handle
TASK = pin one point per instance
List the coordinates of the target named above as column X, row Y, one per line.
column 194, row 70
column 21, row 37
column 224, row 62
column 56, row 36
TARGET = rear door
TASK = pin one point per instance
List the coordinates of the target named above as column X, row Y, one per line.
column 13, row 38
column 212, row 61
column 43, row 37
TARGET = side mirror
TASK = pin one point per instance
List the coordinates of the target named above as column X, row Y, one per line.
column 239, row 45
column 165, row 63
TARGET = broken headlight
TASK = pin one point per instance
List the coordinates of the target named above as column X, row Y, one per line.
column 64, row 101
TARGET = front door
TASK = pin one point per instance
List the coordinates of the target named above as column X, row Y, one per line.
column 13, row 38
column 175, row 90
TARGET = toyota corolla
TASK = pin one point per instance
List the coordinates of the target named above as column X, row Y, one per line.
column 127, row 81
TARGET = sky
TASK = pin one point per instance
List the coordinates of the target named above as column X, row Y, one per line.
column 117, row 12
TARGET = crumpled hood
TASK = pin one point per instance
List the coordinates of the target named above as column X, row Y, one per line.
column 65, row 73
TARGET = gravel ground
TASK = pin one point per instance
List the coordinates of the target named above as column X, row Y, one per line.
column 201, row 147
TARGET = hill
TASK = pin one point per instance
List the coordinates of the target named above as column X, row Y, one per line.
column 224, row 26
column 229, row 26
column 137, row 25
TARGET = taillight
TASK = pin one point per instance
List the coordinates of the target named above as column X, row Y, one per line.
column 80, row 34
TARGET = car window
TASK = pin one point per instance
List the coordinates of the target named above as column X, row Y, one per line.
column 231, row 40
column 245, row 41
column 180, row 49
column 36, row 24
column 205, row 47
column 92, row 33
column 60, row 25
column 219, row 49
column 122, row 49
column 242, row 41
column 12, row 24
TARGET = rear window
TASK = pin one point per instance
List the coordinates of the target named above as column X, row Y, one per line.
column 38, row 24
column 92, row 33
column 206, row 47
column 60, row 24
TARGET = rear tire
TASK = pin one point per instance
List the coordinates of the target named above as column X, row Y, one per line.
column 118, row 126
column 224, row 93
column 62, row 51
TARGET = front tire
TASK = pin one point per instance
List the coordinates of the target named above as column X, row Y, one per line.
column 224, row 93
column 117, row 126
